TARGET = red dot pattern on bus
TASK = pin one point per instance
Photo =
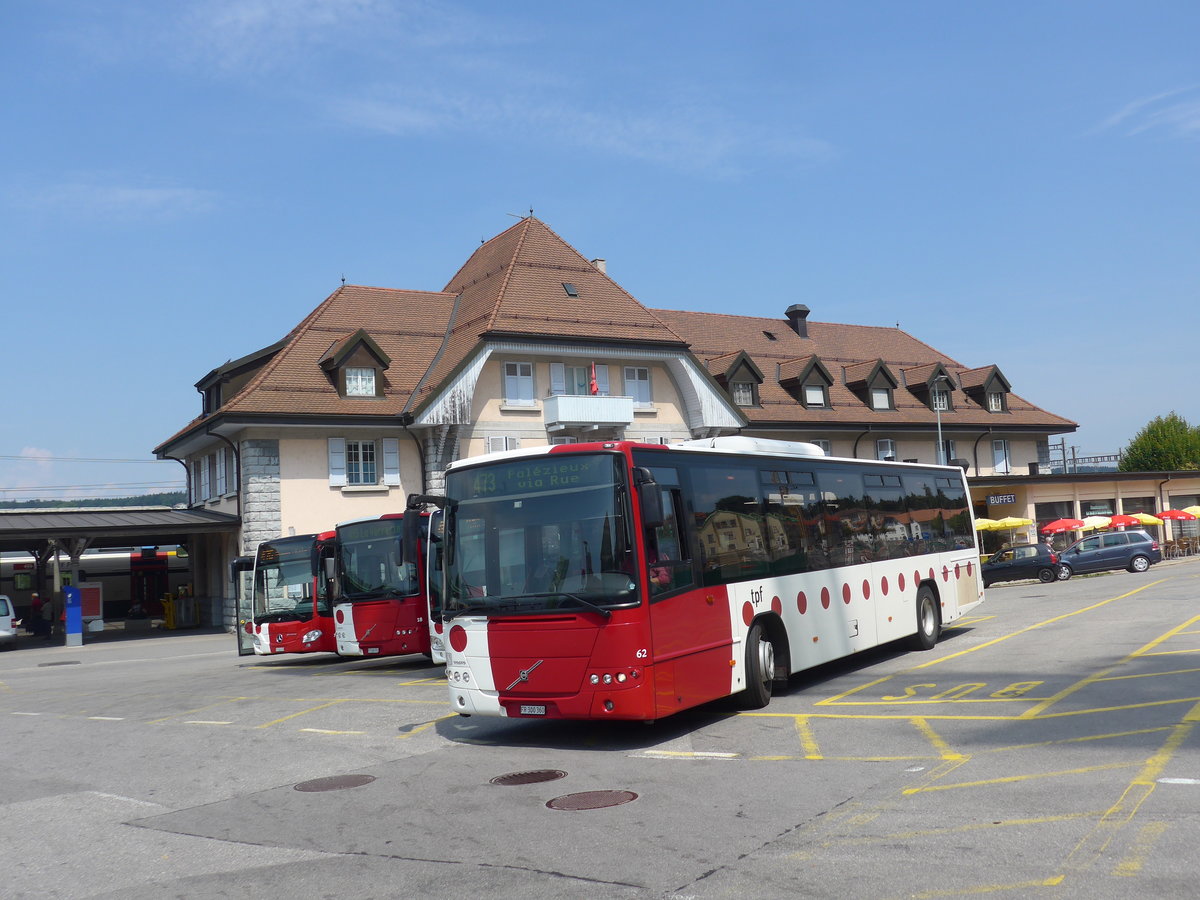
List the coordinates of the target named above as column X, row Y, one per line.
column 848, row 594
column 747, row 612
column 340, row 615
column 458, row 638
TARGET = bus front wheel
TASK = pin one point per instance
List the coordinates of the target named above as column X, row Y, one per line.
column 760, row 668
column 928, row 624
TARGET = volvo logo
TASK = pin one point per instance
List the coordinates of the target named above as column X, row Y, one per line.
column 524, row 675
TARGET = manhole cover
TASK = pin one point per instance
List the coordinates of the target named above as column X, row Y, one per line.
column 591, row 800
column 534, row 777
column 335, row 783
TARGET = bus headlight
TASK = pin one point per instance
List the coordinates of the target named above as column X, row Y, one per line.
column 311, row 636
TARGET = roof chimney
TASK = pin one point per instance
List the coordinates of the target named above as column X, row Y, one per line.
column 601, row 265
column 797, row 315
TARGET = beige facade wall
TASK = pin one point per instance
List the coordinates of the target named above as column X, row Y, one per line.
column 492, row 417
column 307, row 502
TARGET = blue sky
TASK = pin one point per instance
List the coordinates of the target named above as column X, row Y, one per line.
column 1013, row 183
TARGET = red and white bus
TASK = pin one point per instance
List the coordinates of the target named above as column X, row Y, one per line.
column 631, row 581
column 387, row 605
column 292, row 605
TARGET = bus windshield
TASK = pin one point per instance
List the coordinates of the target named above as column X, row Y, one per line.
column 539, row 535
column 371, row 566
column 284, row 579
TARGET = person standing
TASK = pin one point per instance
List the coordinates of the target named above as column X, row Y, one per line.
column 36, row 622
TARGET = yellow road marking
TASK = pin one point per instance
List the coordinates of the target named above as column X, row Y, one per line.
column 1122, row 812
column 1036, row 711
column 991, row 888
column 191, row 712
column 1142, row 845
column 939, row 744
column 986, row 644
column 808, row 740
column 1014, row 779
column 303, row 712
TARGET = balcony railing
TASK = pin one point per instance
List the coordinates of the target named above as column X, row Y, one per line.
column 574, row 411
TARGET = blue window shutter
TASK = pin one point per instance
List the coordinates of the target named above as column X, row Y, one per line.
column 337, row 462
column 558, row 378
column 602, row 380
column 391, row 461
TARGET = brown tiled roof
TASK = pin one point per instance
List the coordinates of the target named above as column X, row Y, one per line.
column 513, row 286
column 408, row 327
column 842, row 349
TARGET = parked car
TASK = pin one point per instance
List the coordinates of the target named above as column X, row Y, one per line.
column 1133, row 550
column 1022, row 561
column 9, row 623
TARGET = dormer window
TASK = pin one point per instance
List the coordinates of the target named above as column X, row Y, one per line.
column 355, row 365
column 360, row 381
column 742, row 393
column 995, row 401
column 881, row 398
column 814, row 396
column 940, row 399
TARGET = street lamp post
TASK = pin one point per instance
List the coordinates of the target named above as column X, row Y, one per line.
column 937, row 407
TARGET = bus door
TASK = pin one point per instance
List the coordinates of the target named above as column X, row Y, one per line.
column 241, row 573
column 432, row 558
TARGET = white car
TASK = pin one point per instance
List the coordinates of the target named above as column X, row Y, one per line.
column 9, row 623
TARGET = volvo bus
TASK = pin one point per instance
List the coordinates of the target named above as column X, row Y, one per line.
column 630, row 581
column 388, row 601
column 292, row 602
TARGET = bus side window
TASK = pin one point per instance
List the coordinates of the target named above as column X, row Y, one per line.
column 666, row 548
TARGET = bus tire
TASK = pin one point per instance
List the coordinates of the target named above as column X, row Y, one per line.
column 928, row 620
column 760, row 669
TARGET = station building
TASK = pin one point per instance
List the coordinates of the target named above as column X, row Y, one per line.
column 376, row 390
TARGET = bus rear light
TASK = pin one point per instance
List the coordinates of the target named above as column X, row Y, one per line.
column 610, row 678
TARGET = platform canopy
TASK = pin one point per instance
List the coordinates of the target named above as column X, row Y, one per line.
column 30, row 531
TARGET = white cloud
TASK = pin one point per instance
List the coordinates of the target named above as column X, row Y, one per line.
column 690, row 137
column 1176, row 112
column 92, row 199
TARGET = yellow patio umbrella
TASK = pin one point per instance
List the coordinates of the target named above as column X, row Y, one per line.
column 1091, row 523
column 1194, row 510
column 1147, row 519
column 1011, row 523
column 984, row 524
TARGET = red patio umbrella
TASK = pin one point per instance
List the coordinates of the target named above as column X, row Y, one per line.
column 1058, row 526
column 1177, row 514
column 1120, row 520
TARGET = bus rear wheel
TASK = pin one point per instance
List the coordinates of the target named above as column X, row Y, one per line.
column 928, row 622
column 760, row 669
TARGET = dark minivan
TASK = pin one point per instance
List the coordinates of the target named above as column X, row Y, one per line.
column 1022, row 561
column 1133, row 550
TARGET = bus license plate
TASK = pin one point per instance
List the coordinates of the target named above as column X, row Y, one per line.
column 530, row 710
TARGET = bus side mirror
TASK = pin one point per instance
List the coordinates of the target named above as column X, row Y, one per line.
column 410, row 535
column 649, row 498
column 330, row 568
column 239, row 565
column 961, row 463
